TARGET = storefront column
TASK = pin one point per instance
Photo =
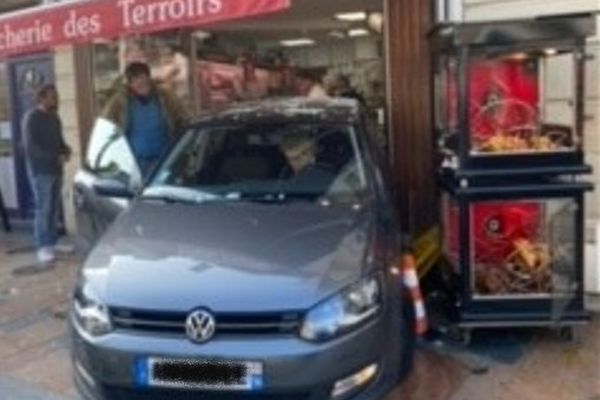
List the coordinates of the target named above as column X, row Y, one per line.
column 411, row 137
column 64, row 66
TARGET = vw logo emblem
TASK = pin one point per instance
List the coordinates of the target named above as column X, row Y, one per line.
column 200, row 326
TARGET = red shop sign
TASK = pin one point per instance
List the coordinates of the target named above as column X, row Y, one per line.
column 45, row 27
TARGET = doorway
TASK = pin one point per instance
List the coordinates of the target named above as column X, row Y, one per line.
column 27, row 75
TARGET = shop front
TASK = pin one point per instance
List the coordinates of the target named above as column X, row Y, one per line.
column 210, row 53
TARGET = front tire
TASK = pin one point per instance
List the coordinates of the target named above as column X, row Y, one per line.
column 409, row 340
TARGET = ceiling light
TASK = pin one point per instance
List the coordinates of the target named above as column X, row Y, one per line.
column 202, row 35
column 297, row 42
column 351, row 16
column 358, row 32
column 375, row 22
column 337, row 34
column 550, row 52
column 518, row 56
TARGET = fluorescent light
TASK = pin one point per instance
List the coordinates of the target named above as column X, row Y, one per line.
column 550, row 52
column 337, row 34
column 358, row 32
column 518, row 56
column 351, row 16
column 202, row 35
column 297, row 42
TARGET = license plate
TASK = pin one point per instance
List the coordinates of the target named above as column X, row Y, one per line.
column 206, row 375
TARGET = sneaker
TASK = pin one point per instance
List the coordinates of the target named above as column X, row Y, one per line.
column 45, row 255
column 64, row 248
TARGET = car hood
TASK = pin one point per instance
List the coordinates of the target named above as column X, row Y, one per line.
column 239, row 257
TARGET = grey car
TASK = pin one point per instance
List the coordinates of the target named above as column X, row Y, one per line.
column 258, row 261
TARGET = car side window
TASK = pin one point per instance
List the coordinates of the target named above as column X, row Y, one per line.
column 109, row 155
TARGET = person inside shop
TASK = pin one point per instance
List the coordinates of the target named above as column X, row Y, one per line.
column 343, row 88
column 46, row 153
column 246, row 82
column 151, row 117
column 310, row 85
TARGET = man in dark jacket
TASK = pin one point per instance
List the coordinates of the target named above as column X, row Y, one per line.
column 149, row 116
column 46, row 152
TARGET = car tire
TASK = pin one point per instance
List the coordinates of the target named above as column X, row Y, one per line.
column 409, row 339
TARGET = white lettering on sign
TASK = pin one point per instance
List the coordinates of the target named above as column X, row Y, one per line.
column 83, row 21
column 37, row 34
column 139, row 15
column 81, row 26
column 125, row 5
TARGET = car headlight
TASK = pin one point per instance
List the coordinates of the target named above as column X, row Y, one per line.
column 91, row 314
column 343, row 312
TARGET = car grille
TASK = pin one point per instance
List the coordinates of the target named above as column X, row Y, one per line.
column 226, row 323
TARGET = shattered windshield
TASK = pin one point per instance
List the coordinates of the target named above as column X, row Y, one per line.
column 266, row 162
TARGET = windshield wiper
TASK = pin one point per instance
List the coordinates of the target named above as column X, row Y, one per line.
column 169, row 199
column 178, row 195
column 276, row 198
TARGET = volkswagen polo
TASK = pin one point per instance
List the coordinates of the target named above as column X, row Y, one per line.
column 258, row 261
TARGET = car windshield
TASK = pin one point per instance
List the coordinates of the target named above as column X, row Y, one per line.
column 266, row 162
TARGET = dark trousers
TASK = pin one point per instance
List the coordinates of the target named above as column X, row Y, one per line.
column 4, row 214
column 46, row 192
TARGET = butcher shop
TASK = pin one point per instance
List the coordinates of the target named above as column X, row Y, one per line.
column 483, row 123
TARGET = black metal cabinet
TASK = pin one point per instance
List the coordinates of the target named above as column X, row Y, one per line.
column 516, row 252
column 509, row 119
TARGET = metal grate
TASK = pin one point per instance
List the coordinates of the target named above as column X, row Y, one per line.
column 227, row 323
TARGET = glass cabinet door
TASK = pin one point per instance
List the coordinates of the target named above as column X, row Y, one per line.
column 522, row 103
column 522, row 247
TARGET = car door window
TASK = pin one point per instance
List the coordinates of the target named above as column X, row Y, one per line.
column 109, row 155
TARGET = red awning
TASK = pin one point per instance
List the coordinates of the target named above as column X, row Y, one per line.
column 42, row 28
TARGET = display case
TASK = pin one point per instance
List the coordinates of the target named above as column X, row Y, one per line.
column 516, row 252
column 510, row 96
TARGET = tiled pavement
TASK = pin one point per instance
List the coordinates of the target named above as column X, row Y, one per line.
column 33, row 340
column 34, row 358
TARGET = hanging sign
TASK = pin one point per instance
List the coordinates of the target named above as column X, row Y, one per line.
column 42, row 28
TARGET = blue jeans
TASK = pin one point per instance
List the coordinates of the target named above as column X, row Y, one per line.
column 46, row 193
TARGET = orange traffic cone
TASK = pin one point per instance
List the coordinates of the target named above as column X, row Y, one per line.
column 411, row 281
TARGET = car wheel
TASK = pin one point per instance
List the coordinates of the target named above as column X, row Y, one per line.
column 409, row 339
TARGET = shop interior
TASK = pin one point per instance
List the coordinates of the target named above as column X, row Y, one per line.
column 339, row 43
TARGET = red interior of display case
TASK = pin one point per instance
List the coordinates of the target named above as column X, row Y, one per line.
column 496, row 227
column 504, row 107
column 503, row 95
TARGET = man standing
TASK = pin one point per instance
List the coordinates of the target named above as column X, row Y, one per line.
column 150, row 117
column 46, row 152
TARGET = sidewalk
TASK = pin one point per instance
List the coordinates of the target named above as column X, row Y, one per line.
column 13, row 390
column 33, row 338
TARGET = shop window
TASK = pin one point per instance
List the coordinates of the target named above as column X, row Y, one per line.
column 166, row 53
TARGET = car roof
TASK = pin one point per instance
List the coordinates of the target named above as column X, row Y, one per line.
column 281, row 110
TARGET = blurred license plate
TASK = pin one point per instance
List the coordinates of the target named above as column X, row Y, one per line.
column 208, row 375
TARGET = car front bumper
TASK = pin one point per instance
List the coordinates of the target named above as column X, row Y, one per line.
column 293, row 369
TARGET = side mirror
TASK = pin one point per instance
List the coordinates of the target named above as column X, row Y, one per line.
column 113, row 188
